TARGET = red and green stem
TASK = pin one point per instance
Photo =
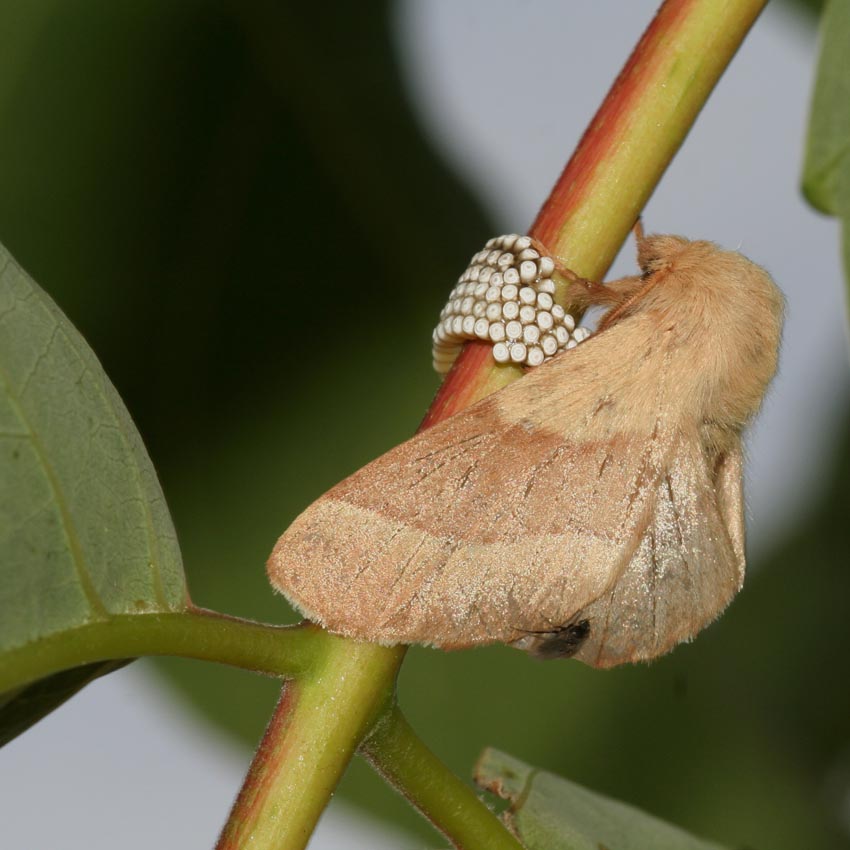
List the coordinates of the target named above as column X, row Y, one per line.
column 329, row 712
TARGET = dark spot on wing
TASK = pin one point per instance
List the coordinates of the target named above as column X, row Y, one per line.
column 563, row 642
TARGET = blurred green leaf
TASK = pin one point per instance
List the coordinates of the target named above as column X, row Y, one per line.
column 84, row 530
column 809, row 8
column 826, row 172
column 551, row 813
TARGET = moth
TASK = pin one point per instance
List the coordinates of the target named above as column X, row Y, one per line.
column 592, row 508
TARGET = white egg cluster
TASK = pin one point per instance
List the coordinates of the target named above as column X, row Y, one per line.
column 505, row 297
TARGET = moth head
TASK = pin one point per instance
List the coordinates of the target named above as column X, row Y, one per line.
column 656, row 253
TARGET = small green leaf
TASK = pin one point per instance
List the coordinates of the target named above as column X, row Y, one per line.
column 551, row 813
column 84, row 530
column 826, row 173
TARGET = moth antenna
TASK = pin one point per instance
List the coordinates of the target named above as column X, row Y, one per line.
column 638, row 231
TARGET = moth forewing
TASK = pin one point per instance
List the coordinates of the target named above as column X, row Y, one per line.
column 506, row 519
column 603, row 488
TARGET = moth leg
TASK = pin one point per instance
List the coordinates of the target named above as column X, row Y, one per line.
column 585, row 292
column 582, row 292
column 630, row 290
column 620, row 295
column 625, row 288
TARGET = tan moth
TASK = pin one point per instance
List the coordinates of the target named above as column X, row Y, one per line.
column 592, row 508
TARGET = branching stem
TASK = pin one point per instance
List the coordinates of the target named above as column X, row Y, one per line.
column 400, row 756
column 284, row 651
column 316, row 727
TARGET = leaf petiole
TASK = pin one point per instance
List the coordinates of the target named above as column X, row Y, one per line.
column 284, row 651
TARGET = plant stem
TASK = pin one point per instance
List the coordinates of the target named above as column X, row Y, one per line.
column 285, row 651
column 313, row 733
column 641, row 124
column 639, row 127
column 399, row 755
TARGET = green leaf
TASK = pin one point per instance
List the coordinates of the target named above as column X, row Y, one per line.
column 826, row 173
column 551, row 813
column 84, row 530
column 827, row 166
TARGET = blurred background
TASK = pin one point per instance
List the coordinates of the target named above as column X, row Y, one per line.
column 254, row 212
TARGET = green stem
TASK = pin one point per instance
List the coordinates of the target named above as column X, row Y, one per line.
column 639, row 127
column 285, row 651
column 398, row 754
column 312, row 736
